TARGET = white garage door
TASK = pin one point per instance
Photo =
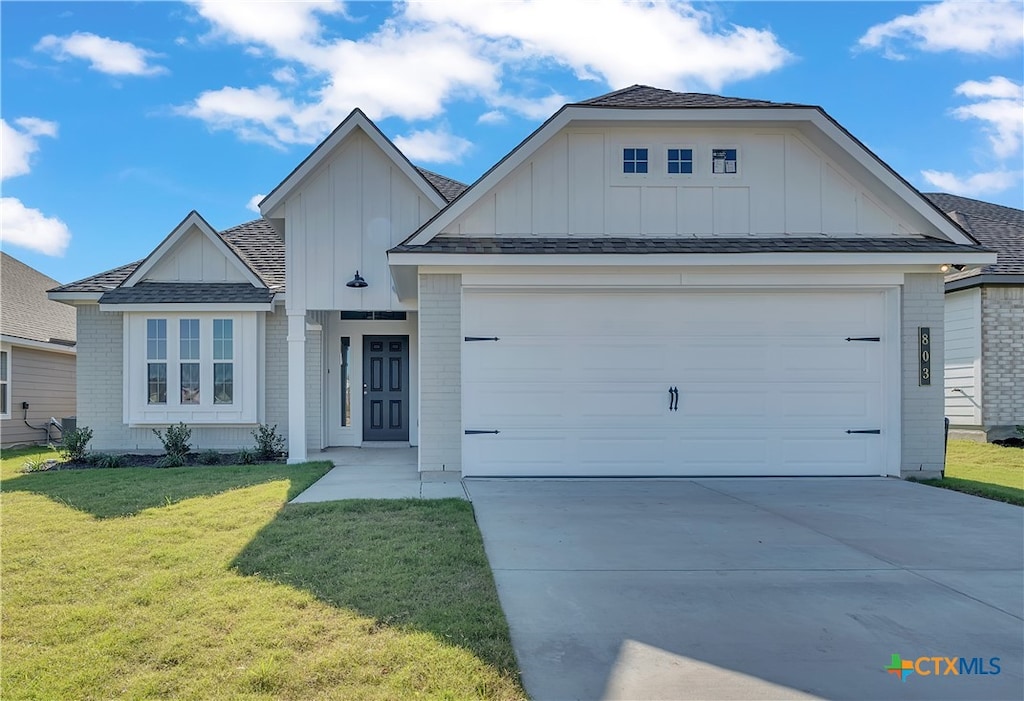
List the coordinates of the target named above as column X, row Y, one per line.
column 579, row 383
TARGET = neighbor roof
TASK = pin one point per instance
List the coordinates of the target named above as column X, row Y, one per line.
column 27, row 313
column 449, row 189
column 996, row 227
column 646, row 97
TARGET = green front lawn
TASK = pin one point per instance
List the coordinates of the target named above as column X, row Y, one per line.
column 196, row 583
column 985, row 470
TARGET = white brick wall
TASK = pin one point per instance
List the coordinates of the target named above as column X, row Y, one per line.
column 922, row 410
column 100, row 388
column 440, row 352
column 1002, row 359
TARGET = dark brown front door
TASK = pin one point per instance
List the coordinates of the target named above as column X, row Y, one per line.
column 385, row 388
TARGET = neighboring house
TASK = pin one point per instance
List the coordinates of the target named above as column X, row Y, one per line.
column 37, row 356
column 985, row 324
column 652, row 283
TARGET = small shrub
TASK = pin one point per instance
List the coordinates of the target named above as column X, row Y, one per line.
column 175, row 441
column 209, row 457
column 74, row 444
column 246, row 457
column 269, row 443
column 108, row 461
column 171, row 460
column 37, row 465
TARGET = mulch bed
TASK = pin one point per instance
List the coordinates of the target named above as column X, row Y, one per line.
column 150, row 460
column 1010, row 442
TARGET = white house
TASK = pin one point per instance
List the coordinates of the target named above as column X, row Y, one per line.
column 985, row 324
column 652, row 283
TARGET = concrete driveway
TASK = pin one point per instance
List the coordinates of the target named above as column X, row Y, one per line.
column 748, row 589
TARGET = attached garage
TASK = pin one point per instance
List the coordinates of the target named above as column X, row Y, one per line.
column 679, row 383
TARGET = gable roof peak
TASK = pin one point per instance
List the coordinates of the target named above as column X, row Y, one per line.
column 647, row 97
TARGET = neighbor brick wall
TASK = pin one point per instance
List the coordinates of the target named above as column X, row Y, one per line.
column 923, row 407
column 1002, row 359
column 440, row 350
column 100, row 387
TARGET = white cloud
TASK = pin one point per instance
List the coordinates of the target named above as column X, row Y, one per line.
column 615, row 40
column 437, row 146
column 994, row 27
column 429, row 54
column 254, row 203
column 999, row 106
column 975, row 185
column 30, row 228
column 1000, row 109
column 285, row 75
column 18, row 145
column 104, row 55
column 492, row 117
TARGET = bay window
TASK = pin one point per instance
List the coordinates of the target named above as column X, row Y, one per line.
column 196, row 367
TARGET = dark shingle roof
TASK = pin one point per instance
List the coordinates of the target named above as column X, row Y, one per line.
column 188, row 293
column 996, row 227
column 646, row 97
column 449, row 189
column 25, row 311
column 453, row 244
column 256, row 243
column 259, row 247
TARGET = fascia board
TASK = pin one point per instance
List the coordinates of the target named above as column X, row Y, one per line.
column 687, row 259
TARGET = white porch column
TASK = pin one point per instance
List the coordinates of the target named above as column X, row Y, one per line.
column 296, row 388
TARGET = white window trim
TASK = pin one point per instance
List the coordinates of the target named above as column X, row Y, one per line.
column 9, row 381
column 711, row 161
column 244, row 408
column 694, row 160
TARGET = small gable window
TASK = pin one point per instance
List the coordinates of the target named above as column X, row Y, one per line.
column 680, row 161
column 724, row 160
column 634, row 160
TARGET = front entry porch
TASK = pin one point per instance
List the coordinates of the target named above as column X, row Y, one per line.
column 379, row 473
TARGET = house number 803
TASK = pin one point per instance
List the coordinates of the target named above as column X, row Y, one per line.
column 924, row 356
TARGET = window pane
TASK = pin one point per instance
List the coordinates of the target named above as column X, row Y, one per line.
column 628, row 154
column 156, row 383
column 223, row 383
column 641, row 167
column 223, row 339
column 673, row 166
column 190, row 383
column 3, row 366
column 686, row 154
column 673, row 154
column 641, row 154
column 3, row 399
column 156, row 339
column 686, row 167
column 346, row 383
column 628, row 167
column 189, row 338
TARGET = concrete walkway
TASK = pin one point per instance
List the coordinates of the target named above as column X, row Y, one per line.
column 379, row 473
column 754, row 589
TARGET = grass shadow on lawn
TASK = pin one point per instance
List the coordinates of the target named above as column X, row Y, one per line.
column 112, row 493
column 409, row 564
column 997, row 492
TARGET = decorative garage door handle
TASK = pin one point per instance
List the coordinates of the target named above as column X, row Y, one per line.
column 673, row 399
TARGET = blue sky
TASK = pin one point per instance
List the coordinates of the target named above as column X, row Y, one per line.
column 119, row 118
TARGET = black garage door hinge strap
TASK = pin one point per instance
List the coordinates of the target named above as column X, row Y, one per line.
column 474, row 432
column 481, row 338
column 876, row 339
column 869, row 430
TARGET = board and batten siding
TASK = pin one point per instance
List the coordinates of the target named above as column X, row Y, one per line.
column 574, row 186
column 344, row 218
column 195, row 258
column 47, row 382
column 963, row 358
column 100, row 391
